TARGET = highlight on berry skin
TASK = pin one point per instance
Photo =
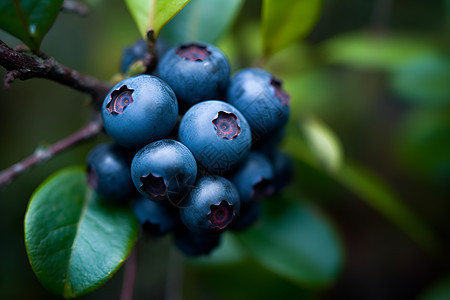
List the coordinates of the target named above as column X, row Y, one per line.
column 221, row 215
column 153, row 185
column 119, row 100
column 226, row 125
column 193, row 52
column 284, row 97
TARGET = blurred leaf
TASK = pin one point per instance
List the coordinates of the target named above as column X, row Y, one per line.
column 372, row 51
column 380, row 196
column 424, row 80
column 323, row 143
column 423, row 143
column 29, row 20
column 286, row 22
column 75, row 242
column 296, row 242
column 374, row 191
column 202, row 20
column 438, row 291
column 153, row 14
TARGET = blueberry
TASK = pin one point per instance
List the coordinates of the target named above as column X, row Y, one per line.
column 155, row 218
column 138, row 51
column 108, row 171
column 194, row 244
column 217, row 134
column 164, row 170
column 139, row 110
column 196, row 72
column 283, row 169
column 254, row 178
column 248, row 215
column 211, row 206
column 261, row 99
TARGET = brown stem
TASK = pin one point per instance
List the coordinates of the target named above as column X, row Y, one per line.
column 41, row 155
column 129, row 276
column 25, row 66
column 75, row 7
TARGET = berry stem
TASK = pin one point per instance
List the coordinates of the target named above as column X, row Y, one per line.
column 41, row 155
column 129, row 276
column 24, row 66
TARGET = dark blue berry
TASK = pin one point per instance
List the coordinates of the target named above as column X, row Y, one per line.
column 194, row 244
column 249, row 215
column 108, row 171
column 164, row 170
column 196, row 72
column 254, row 178
column 155, row 218
column 139, row 110
column 283, row 167
column 261, row 99
column 211, row 206
column 138, row 51
column 217, row 134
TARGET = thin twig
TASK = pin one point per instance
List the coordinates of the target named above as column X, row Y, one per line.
column 41, row 155
column 75, row 7
column 25, row 66
column 129, row 276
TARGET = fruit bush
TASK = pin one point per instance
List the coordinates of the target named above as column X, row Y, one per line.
column 212, row 149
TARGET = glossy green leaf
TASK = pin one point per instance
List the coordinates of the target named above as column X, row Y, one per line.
column 75, row 242
column 424, row 81
column 438, row 291
column 295, row 241
column 29, row 20
column 323, row 143
column 202, row 20
column 152, row 15
column 285, row 22
column 371, row 51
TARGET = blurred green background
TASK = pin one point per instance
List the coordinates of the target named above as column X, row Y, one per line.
column 372, row 79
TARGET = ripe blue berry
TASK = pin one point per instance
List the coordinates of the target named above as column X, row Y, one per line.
column 253, row 179
column 194, row 244
column 164, row 170
column 283, row 170
column 261, row 99
column 248, row 216
column 139, row 110
column 217, row 134
column 108, row 171
column 196, row 72
column 211, row 206
column 155, row 218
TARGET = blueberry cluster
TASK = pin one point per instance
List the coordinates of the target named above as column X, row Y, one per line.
column 195, row 149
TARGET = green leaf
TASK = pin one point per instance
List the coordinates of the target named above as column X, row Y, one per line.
column 438, row 291
column 295, row 241
column 152, row 15
column 424, row 81
column 75, row 242
column 374, row 191
column 379, row 195
column 372, row 51
column 29, row 20
column 202, row 20
column 286, row 22
column 323, row 143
